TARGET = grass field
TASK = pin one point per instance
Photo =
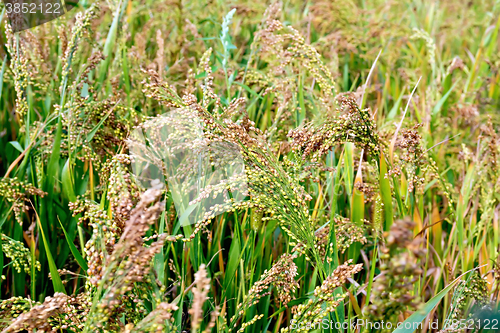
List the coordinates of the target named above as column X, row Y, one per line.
column 365, row 132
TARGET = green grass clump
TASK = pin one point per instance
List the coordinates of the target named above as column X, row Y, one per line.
column 368, row 131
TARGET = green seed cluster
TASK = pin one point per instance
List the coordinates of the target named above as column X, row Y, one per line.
column 281, row 275
column 411, row 160
column 155, row 321
column 475, row 288
column 346, row 234
column 16, row 192
column 105, row 233
column 351, row 125
column 325, row 298
column 18, row 254
column 15, row 306
column 21, row 69
column 38, row 317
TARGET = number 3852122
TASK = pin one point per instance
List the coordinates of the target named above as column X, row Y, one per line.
column 33, row 8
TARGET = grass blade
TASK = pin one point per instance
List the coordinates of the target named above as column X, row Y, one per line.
column 385, row 193
column 56, row 278
column 1, row 260
column 74, row 250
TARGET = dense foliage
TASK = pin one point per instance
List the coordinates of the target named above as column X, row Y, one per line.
column 369, row 136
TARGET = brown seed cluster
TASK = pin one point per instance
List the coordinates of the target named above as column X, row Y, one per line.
column 346, row 234
column 286, row 47
column 200, row 295
column 123, row 192
column 56, row 313
column 411, row 159
column 130, row 261
column 155, row 320
column 105, row 233
column 38, row 316
column 351, row 125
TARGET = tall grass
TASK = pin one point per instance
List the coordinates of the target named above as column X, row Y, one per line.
column 369, row 133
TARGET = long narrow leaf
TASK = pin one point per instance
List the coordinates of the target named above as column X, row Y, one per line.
column 56, row 278
column 74, row 250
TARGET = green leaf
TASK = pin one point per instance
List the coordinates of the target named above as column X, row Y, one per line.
column 385, row 193
column 358, row 200
column 1, row 261
column 441, row 102
column 5, row 216
column 91, row 134
column 159, row 260
column 183, row 219
column 235, row 254
column 16, row 145
column 348, row 167
column 110, row 42
column 67, row 182
column 395, row 108
column 74, row 250
column 3, row 63
column 247, row 88
column 302, row 114
column 56, row 278
column 463, row 201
